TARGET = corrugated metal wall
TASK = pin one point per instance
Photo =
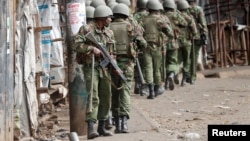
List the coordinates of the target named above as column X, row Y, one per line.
column 6, row 71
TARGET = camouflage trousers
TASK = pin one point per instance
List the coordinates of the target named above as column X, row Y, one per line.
column 184, row 52
column 120, row 93
column 172, row 61
column 101, row 98
column 197, row 47
column 152, row 66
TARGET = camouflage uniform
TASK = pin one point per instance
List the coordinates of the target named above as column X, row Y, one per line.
column 140, row 88
column 101, row 98
column 172, row 66
column 138, row 16
column 201, row 24
column 126, row 33
column 154, row 25
column 186, row 35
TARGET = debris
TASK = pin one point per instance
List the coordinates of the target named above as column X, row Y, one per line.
column 222, row 107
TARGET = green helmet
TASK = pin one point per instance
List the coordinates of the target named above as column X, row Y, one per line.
column 112, row 4
column 142, row 3
column 154, row 5
column 182, row 5
column 102, row 11
column 90, row 12
column 108, row 1
column 96, row 3
column 127, row 2
column 88, row 2
column 169, row 4
column 121, row 8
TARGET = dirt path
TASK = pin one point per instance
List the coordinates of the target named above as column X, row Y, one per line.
column 182, row 114
column 190, row 109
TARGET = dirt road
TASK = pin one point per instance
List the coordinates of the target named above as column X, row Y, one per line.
column 188, row 110
column 185, row 113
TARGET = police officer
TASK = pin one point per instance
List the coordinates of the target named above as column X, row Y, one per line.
column 141, row 10
column 172, row 66
column 138, row 16
column 201, row 24
column 101, row 98
column 154, row 24
column 139, row 88
column 125, row 36
column 186, row 35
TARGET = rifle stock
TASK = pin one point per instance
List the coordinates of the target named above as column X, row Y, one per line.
column 204, row 48
column 142, row 80
column 193, row 58
column 107, row 58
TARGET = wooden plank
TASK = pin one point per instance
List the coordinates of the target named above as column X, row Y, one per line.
column 39, row 29
column 37, row 45
column 58, row 39
column 244, row 48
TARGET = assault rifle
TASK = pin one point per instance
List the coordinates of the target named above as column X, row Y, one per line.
column 107, row 58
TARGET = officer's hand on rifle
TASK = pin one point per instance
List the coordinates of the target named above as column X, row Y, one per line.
column 97, row 51
column 117, row 72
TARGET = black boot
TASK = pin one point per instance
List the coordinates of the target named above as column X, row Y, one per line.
column 158, row 90
column 184, row 80
column 151, row 91
column 176, row 79
column 108, row 123
column 137, row 88
column 144, row 90
column 166, row 84
column 170, row 80
column 192, row 82
column 117, row 125
column 91, row 133
column 124, row 126
column 101, row 129
column 189, row 80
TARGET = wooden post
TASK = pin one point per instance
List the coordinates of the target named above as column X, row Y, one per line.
column 77, row 89
column 218, row 45
column 247, row 32
column 6, row 70
column 231, row 36
column 244, row 48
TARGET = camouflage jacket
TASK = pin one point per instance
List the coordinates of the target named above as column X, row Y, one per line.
column 164, row 28
column 177, row 21
column 128, row 39
column 138, row 16
column 200, row 20
column 187, row 33
column 84, row 48
column 138, row 33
